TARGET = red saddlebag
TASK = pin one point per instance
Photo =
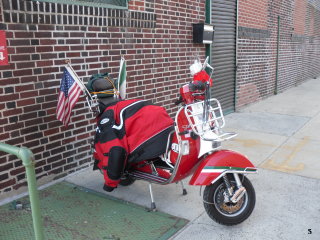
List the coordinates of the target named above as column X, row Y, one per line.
column 129, row 131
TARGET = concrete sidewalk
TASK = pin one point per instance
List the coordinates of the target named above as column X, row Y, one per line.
column 281, row 136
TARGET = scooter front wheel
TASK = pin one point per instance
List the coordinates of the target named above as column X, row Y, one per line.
column 225, row 212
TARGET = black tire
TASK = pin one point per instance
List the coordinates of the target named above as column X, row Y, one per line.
column 216, row 207
column 127, row 181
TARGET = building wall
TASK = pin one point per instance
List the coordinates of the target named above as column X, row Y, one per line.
column 154, row 36
column 299, row 46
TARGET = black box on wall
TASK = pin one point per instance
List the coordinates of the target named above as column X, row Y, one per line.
column 203, row 33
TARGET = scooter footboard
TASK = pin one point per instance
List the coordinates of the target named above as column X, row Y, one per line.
column 219, row 163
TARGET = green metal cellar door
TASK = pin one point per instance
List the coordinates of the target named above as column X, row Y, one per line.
column 223, row 53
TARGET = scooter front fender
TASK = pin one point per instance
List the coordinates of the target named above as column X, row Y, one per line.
column 219, row 163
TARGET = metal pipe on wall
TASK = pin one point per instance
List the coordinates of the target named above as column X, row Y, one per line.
column 208, row 20
column 236, row 70
column 277, row 58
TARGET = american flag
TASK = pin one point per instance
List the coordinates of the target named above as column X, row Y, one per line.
column 68, row 96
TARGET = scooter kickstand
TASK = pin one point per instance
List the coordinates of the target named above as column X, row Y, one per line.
column 153, row 204
column 184, row 191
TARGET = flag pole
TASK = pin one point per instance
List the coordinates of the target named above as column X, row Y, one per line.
column 77, row 79
column 80, row 83
column 122, row 78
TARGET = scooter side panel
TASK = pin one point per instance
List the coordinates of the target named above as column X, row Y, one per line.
column 219, row 162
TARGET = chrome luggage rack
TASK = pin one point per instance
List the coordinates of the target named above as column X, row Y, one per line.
column 207, row 124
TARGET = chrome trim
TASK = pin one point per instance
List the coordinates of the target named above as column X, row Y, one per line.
column 236, row 177
column 147, row 176
column 176, row 166
column 165, row 156
column 234, row 171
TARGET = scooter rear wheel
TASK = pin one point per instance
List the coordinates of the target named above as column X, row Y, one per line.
column 228, row 213
column 127, row 181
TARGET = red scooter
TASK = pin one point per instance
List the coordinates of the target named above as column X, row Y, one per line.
column 193, row 148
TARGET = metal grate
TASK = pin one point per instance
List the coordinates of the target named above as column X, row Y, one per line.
column 95, row 3
column 71, row 212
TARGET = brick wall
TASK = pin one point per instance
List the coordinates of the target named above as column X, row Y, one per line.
column 299, row 47
column 154, row 36
column 253, row 13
